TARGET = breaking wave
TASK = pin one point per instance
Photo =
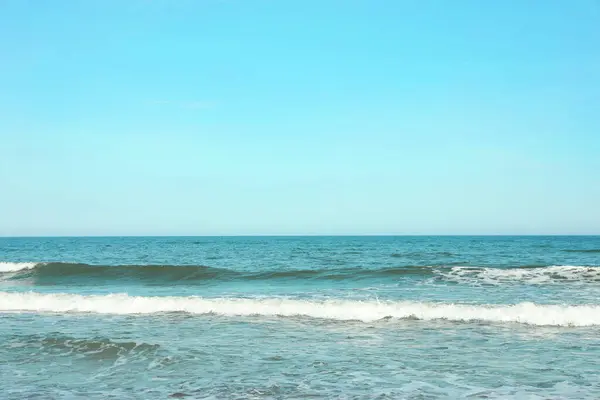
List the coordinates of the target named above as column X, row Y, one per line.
column 16, row 266
column 531, row 275
column 343, row 310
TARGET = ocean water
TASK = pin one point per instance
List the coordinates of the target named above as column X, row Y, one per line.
column 300, row 317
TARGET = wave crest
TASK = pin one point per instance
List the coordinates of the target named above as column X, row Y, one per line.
column 16, row 266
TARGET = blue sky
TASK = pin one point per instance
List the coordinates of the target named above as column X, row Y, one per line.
column 156, row 117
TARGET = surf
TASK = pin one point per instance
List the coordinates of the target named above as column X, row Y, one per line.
column 555, row 274
column 330, row 309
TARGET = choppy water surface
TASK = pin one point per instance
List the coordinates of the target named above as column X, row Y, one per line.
column 300, row 317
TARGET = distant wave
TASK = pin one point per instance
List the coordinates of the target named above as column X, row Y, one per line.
column 169, row 274
column 582, row 251
column 343, row 310
column 53, row 273
column 57, row 270
column 422, row 254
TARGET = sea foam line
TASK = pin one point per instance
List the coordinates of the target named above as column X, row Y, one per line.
column 344, row 310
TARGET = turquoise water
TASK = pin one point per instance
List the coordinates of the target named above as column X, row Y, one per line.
column 300, row 317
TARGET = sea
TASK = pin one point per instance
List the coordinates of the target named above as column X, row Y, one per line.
column 389, row 317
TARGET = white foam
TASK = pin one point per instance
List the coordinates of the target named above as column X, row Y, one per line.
column 15, row 266
column 525, row 313
column 542, row 275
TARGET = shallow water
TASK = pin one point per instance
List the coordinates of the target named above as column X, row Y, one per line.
column 300, row 317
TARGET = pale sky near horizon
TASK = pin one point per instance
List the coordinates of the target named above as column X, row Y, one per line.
column 207, row 117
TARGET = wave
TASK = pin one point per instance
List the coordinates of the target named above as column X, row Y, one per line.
column 530, row 275
column 582, row 251
column 142, row 272
column 169, row 274
column 342, row 310
column 54, row 273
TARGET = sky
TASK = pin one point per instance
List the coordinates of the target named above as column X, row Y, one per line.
column 264, row 117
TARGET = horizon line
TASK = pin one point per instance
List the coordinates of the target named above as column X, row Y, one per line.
column 305, row 235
